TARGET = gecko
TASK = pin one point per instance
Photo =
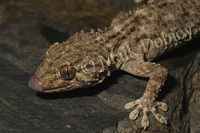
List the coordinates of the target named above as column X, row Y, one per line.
column 131, row 43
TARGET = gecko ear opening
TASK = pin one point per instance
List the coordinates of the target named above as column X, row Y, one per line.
column 67, row 72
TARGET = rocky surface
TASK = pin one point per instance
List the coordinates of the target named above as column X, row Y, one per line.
column 28, row 28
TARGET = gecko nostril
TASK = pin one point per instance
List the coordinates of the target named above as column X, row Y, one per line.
column 35, row 84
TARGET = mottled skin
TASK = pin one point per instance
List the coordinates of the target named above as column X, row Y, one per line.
column 127, row 29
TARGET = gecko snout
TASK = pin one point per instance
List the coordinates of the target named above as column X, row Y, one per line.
column 35, row 84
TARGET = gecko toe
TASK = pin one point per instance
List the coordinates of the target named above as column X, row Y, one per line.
column 134, row 114
column 132, row 104
column 161, row 105
column 158, row 117
column 145, row 121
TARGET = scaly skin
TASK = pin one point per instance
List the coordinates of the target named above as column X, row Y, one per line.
column 129, row 44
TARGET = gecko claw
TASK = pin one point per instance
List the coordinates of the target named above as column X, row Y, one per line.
column 147, row 107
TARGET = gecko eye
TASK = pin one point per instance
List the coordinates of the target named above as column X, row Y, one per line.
column 68, row 72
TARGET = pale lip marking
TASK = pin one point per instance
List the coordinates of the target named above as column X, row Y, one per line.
column 35, row 84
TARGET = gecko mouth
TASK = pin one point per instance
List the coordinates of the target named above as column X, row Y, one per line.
column 35, row 84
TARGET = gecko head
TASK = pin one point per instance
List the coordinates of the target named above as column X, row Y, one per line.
column 66, row 67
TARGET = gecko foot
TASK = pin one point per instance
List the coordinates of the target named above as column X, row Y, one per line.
column 147, row 106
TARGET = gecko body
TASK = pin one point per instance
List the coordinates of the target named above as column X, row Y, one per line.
column 132, row 41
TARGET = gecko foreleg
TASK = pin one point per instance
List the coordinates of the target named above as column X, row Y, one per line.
column 157, row 75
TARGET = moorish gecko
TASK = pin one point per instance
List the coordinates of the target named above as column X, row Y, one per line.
column 131, row 42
